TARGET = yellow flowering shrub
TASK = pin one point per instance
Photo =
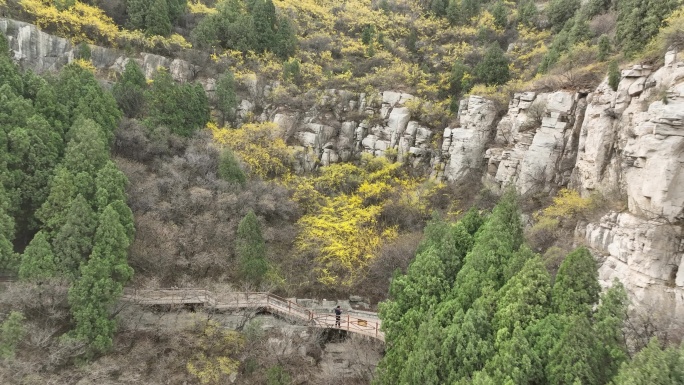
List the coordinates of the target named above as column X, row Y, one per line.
column 89, row 24
column 343, row 205
column 81, row 23
column 85, row 64
column 216, row 354
column 258, row 145
column 566, row 204
column 200, row 8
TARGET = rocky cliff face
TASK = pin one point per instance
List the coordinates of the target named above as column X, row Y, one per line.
column 625, row 143
column 632, row 142
column 40, row 52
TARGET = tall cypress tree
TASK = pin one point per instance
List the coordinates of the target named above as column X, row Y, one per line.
column 8, row 258
column 86, row 151
column 498, row 240
column 250, row 249
column 573, row 358
column 493, row 69
column 129, row 91
column 226, row 99
column 264, row 21
column 38, row 261
column 52, row 213
column 653, row 366
column 576, row 288
column 33, row 153
column 525, row 298
column 157, row 21
column 73, row 242
column 286, row 38
column 609, row 319
column 101, row 283
column 176, row 9
column 110, row 185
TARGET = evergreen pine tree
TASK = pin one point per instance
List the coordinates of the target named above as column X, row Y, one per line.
column 422, row 362
column 412, row 40
column 183, row 109
column 8, row 258
column 384, row 5
column 516, row 362
column 137, row 11
column 157, row 21
column 609, row 322
column 470, row 9
column 53, row 212
column 500, row 14
column 576, row 288
column 560, row 11
column 367, row 34
column 129, row 91
column 527, row 12
column 459, row 82
column 86, row 150
column 497, row 241
column 10, row 78
column 11, row 333
column 580, row 31
column 573, row 358
column 653, row 365
column 286, row 39
column 250, row 248
column 73, row 242
column 493, row 69
column 264, row 21
column 604, row 48
column 438, row 7
column 49, row 107
column 196, row 108
column 453, row 12
column 110, row 185
column 614, row 76
column 229, row 168
column 176, row 9
column 101, row 284
column 87, row 99
column 33, row 153
column 38, row 261
column 525, row 298
column 125, row 218
column 226, row 99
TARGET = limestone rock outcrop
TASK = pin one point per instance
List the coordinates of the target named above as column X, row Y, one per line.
column 41, row 52
column 536, row 142
column 342, row 125
column 465, row 145
column 632, row 146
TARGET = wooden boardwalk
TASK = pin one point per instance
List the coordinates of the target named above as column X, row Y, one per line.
column 359, row 322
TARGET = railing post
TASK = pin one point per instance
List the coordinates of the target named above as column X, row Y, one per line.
column 376, row 330
column 348, row 321
column 288, row 306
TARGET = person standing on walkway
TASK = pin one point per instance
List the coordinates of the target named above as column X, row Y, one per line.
column 338, row 316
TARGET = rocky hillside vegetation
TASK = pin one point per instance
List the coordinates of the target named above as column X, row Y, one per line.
column 302, row 147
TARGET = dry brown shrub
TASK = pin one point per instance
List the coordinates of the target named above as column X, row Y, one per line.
column 604, row 24
column 395, row 255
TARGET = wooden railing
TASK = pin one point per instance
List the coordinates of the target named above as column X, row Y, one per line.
column 364, row 323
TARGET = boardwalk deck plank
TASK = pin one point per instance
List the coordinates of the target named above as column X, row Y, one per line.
column 367, row 324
